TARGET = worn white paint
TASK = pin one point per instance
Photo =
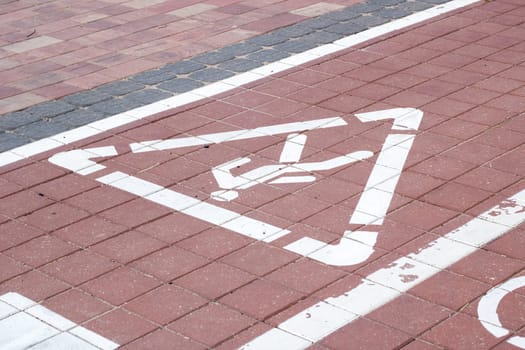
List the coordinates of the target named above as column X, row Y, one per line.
column 488, row 310
column 27, row 325
column 225, row 85
column 388, row 283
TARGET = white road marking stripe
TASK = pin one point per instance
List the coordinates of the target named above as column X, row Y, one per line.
column 228, row 84
column 27, row 324
column 388, row 283
column 188, row 205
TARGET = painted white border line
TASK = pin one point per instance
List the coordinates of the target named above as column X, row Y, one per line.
column 225, row 85
column 25, row 324
column 386, row 284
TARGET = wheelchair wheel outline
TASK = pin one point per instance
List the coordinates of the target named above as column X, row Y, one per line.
column 488, row 310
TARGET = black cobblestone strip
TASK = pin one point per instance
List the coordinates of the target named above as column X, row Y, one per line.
column 52, row 117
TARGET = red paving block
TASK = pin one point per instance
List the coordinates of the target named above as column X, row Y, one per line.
column 363, row 334
column 128, row 246
column 214, row 280
column 250, row 257
column 410, row 314
column 135, row 213
column 22, row 203
column 10, row 268
column 120, row 326
column 261, row 299
column 174, row 227
column 76, row 305
column 34, row 285
column 41, row 250
column 449, row 289
column 34, row 174
column 211, row 324
column 422, row 215
column 460, row 331
column 488, row 267
column 214, row 243
column 89, row 231
column 79, row 267
column 120, row 285
column 165, row 304
column 163, row 340
column 99, row 199
column 13, row 233
column 54, row 217
column 305, row 276
column 170, row 263
column 455, row 196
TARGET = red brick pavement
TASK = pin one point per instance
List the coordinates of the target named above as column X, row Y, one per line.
column 54, row 48
column 147, row 277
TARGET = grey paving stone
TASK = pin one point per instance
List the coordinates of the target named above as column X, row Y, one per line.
column 267, row 40
column 435, row 2
column 214, row 57
column 319, row 22
column 148, row 95
column 414, row 6
column 239, row 65
column 370, row 20
column 114, row 106
column 241, row 49
column 295, row 46
column 385, row 2
column 366, row 7
column 267, row 55
column 322, row 37
column 119, row 88
column 184, row 67
column 294, row 31
column 41, row 129
column 86, row 98
column 210, row 75
column 50, row 109
column 343, row 15
column 346, row 28
column 393, row 12
column 14, row 120
column 9, row 141
column 79, row 117
column 153, row 77
column 180, row 85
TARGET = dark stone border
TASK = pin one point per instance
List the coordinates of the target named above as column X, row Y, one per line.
column 52, row 117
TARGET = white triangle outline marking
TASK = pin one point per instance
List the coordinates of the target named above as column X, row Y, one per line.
column 353, row 248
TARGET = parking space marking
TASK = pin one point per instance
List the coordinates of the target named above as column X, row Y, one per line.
column 388, row 283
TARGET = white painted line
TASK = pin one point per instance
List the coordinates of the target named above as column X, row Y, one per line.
column 375, row 201
column 389, row 282
column 293, row 148
column 228, row 84
column 236, row 135
column 31, row 326
column 188, row 205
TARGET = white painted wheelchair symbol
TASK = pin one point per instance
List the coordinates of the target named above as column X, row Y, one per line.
column 488, row 310
column 353, row 248
column 289, row 164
